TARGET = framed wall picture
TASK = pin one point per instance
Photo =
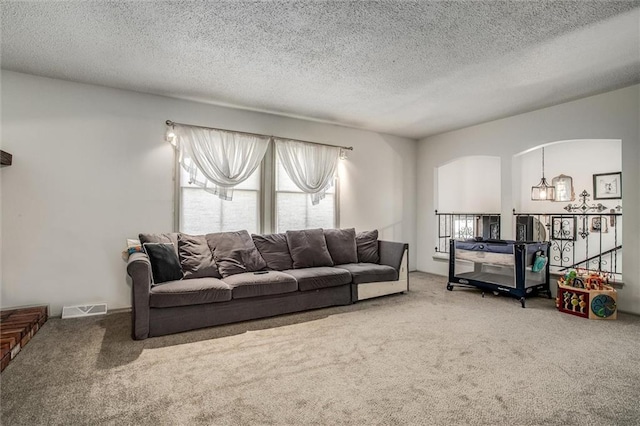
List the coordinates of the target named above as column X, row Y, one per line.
column 563, row 228
column 607, row 186
column 599, row 224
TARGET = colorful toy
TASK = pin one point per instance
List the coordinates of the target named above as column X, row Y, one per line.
column 569, row 277
column 594, row 282
column 587, row 295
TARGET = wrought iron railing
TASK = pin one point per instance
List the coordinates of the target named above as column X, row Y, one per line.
column 599, row 260
column 586, row 236
column 464, row 226
column 591, row 241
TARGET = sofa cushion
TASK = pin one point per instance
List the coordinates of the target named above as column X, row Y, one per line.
column 367, row 246
column 320, row 277
column 235, row 253
column 342, row 245
column 196, row 258
column 250, row 284
column 370, row 272
column 274, row 251
column 308, row 248
column 165, row 265
column 169, row 237
column 189, row 292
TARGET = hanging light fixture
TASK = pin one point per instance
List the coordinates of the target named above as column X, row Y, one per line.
column 170, row 134
column 343, row 154
column 543, row 191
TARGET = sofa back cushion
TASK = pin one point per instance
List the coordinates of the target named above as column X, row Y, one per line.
column 367, row 246
column 308, row 248
column 235, row 253
column 274, row 251
column 169, row 237
column 164, row 262
column 342, row 245
column 196, row 258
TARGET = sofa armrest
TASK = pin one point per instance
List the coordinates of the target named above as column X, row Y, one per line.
column 139, row 269
column 391, row 253
column 395, row 255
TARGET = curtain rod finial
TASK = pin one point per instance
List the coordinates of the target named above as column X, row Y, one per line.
column 169, row 123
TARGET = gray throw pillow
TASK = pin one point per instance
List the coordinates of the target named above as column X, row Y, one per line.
column 274, row 251
column 367, row 245
column 235, row 253
column 196, row 257
column 164, row 262
column 342, row 245
column 169, row 237
column 308, row 248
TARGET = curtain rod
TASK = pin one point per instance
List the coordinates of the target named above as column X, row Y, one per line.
column 173, row 123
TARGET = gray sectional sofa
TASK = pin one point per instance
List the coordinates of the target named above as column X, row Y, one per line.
column 183, row 282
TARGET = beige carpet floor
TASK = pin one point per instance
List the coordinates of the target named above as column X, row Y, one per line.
column 427, row 357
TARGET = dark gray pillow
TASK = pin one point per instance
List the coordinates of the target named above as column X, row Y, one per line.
column 367, row 245
column 165, row 265
column 196, row 258
column 274, row 251
column 342, row 245
column 169, row 237
column 308, row 248
column 235, row 253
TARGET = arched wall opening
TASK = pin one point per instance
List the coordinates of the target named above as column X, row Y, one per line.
column 585, row 230
column 580, row 159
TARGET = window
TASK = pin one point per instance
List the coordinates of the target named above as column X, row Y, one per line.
column 293, row 208
column 201, row 212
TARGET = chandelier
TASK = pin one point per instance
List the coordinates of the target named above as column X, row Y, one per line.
column 543, row 191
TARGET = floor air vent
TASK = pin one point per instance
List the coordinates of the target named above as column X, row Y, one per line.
column 84, row 310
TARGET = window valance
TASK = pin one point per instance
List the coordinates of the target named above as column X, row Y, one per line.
column 311, row 167
column 218, row 160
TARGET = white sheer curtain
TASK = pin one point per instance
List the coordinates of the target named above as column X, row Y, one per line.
column 218, row 160
column 311, row 167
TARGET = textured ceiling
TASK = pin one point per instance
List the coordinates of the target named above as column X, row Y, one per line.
column 406, row 68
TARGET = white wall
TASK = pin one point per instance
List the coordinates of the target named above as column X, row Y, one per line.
column 91, row 168
column 469, row 185
column 612, row 115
